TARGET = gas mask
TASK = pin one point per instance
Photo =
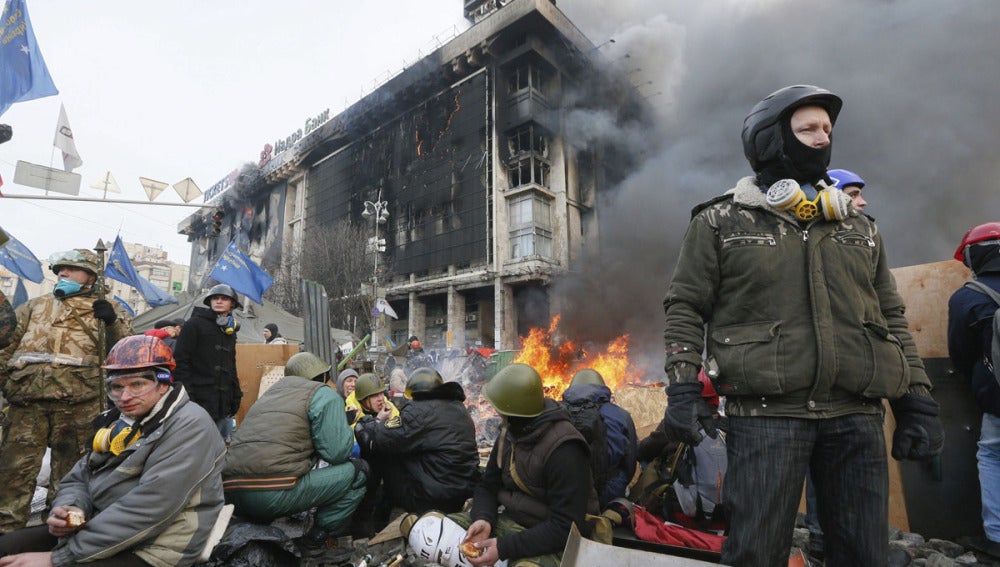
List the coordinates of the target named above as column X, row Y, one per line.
column 115, row 438
column 830, row 203
column 66, row 288
column 227, row 324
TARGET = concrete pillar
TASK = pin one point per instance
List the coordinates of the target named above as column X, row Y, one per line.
column 417, row 323
column 456, row 318
column 505, row 316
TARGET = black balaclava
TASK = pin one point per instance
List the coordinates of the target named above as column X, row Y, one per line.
column 797, row 161
column 984, row 258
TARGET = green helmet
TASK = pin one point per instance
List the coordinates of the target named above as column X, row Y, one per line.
column 306, row 365
column 423, row 380
column 368, row 385
column 76, row 258
column 587, row 376
column 516, row 391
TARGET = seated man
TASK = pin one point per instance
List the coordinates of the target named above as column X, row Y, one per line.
column 427, row 455
column 270, row 470
column 149, row 491
column 549, row 491
column 589, row 398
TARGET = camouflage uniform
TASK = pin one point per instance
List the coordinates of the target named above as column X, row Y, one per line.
column 51, row 377
column 7, row 321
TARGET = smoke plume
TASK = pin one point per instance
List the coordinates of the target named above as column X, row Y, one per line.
column 919, row 124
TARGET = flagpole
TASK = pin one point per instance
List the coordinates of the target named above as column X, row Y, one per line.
column 102, row 336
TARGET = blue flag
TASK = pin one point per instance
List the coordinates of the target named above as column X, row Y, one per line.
column 241, row 273
column 125, row 306
column 20, row 261
column 23, row 74
column 119, row 267
column 20, row 294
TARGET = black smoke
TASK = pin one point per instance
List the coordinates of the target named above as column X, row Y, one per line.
column 920, row 123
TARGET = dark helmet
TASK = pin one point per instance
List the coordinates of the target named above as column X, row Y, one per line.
column 986, row 232
column 222, row 289
column 516, row 391
column 762, row 138
column 306, row 365
column 587, row 376
column 423, row 380
column 140, row 352
column 77, row 258
column 368, row 385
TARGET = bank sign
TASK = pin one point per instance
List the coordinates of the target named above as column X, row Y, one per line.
column 310, row 125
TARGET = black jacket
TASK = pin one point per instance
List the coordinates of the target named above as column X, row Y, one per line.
column 206, row 364
column 434, row 442
column 970, row 336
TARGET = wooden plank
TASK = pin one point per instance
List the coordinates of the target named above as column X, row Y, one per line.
column 926, row 289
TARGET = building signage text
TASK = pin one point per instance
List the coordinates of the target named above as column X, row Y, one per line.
column 310, row 125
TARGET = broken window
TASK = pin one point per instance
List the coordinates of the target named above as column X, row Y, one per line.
column 530, row 226
column 525, row 76
column 528, row 139
column 528, row 170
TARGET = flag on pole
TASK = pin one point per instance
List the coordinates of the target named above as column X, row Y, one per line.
column 241, row 273
column 382, row 306
column 65, row 142
column 119, row 267
column 23, row 74
column 20, row 294
column 128, row 308
column 20, row 261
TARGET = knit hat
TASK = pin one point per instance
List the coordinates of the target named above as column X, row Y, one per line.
column 343, row 376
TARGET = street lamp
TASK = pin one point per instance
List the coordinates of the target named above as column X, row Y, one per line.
column 379, row 211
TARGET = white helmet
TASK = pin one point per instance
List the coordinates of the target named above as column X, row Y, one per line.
column 436, row 538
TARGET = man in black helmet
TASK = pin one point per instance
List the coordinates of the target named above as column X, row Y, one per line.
column 783, row 285
column 206, row 357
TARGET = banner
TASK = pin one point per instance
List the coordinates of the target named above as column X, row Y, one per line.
column 382, row 306
column 119, row 268
column 23, row 74
column 241, row 273
column 65, row 142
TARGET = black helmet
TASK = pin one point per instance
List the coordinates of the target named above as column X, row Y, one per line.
column 222, row 289
column 762, row 139
column 423, row 380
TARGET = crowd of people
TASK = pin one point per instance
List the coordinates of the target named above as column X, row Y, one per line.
column 781, row 302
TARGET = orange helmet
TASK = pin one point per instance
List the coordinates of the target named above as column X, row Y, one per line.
column 140, row 351
column 981, row 233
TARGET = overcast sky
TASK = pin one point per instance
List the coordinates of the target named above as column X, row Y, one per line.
column 169, row 90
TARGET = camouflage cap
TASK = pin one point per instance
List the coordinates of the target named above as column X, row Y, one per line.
column 76, row 258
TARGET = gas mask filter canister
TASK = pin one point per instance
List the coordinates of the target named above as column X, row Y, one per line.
column 830, row 203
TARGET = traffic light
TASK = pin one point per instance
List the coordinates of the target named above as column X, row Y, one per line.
column 217, row 222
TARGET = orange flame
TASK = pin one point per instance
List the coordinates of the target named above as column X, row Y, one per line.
column 557, row 363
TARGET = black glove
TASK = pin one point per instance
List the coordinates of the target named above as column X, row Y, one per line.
column 687, row 412
column 365, row 435
column 919, row 433
column 104, row 311
column 360, row 466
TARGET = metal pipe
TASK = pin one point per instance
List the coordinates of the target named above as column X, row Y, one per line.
column 343, row 363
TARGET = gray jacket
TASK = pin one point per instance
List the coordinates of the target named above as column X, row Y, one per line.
column 159, row 499
column 804, row 321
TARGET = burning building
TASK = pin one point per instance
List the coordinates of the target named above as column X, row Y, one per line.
column 487, row 196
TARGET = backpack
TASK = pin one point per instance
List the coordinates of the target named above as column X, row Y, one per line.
column 992, row 361
column 586, row 418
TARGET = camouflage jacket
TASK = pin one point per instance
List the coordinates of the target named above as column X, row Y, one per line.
column 53, row 353
column 804, row 320
column 8, row 321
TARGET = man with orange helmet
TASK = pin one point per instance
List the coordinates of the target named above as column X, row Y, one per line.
column 50, row 373
column 970, row 338
column 150, row 489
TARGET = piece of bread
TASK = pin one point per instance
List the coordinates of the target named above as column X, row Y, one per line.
column 75, row 519
column 469, row 549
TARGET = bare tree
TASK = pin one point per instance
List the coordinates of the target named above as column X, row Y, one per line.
column 335, row 256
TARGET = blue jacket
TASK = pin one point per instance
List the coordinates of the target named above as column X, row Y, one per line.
column 970, row 334
column 620, row 433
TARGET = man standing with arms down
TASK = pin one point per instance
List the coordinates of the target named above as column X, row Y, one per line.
column 51, row 376
column 788, row 289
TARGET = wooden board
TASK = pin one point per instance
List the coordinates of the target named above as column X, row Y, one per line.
column 252, row 360
column 926, row 289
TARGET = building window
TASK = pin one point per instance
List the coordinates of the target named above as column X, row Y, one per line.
column 530, row 226
column 526, row 76
column 528, row 139
column 528, row 170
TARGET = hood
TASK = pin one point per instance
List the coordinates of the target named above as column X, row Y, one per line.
column 587, row 393
column 446, row 391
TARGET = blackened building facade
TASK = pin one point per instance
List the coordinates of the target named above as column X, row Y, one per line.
column 489, row 199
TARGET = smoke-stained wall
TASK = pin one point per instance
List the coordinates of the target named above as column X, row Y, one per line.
column 430, row 164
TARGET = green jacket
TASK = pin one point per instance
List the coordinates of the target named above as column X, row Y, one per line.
column 803, row 320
